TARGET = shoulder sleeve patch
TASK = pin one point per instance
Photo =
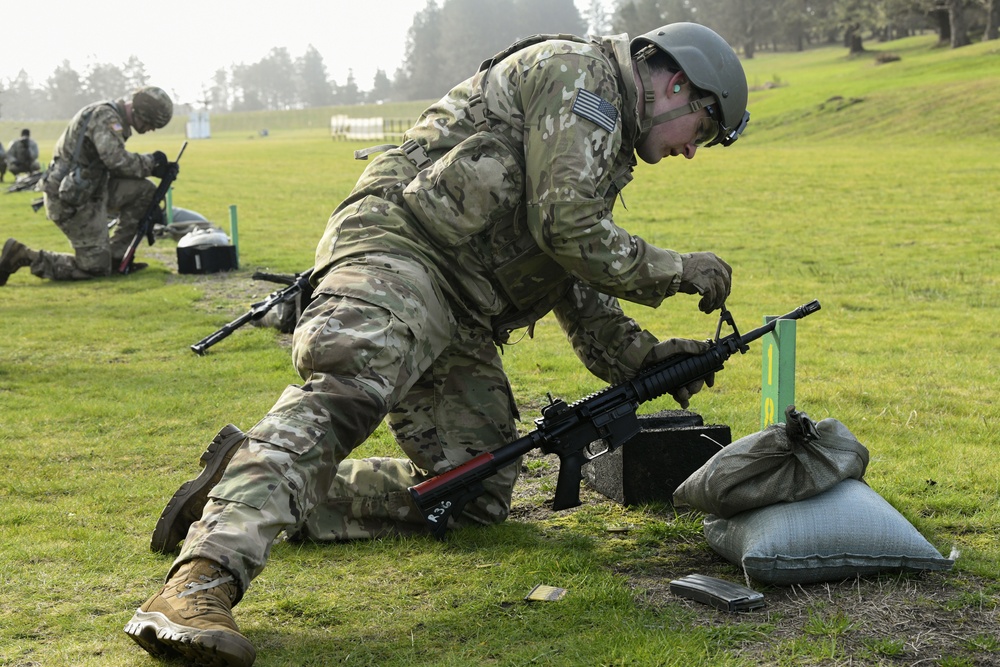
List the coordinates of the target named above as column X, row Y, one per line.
column 595, row 109
column 116, row 126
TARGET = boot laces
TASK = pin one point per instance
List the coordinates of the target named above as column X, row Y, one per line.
column 218, row 602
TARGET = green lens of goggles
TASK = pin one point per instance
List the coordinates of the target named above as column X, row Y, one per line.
column 708, row 129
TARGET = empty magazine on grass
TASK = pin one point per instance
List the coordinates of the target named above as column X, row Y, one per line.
column 719, row 593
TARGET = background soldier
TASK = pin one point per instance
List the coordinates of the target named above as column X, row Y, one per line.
column 93, row 178
column 22, row 154
column 495, row 211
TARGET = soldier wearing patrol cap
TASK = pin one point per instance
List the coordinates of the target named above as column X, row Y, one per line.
column 93, row 178
column 496, row 210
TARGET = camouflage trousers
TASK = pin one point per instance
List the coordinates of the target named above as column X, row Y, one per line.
column 379, row 341
column 86, row 227
column 23, row 167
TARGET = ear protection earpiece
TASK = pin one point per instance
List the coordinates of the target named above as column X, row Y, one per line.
column 677, row 87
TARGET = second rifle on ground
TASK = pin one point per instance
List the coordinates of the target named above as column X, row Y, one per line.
column 296, row 286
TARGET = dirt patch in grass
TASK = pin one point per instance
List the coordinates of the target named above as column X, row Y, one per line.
column 908, row 619
column 226, row 290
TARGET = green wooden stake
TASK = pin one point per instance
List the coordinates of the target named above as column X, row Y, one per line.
column 777, row 372
column 234, row 233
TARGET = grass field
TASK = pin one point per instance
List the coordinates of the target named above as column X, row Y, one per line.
column 883, row 204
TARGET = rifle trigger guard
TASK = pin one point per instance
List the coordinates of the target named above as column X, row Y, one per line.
column 591, row 451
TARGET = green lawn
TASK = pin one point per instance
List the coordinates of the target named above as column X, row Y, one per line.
column 885, row 209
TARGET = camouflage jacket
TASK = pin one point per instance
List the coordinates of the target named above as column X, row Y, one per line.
column 516, row 210
column 102, row 154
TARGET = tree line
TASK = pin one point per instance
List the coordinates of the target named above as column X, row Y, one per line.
column 449, row 38
column 750, row 25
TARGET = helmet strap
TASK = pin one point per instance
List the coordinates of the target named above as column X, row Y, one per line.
column 649, row 95
column 690, row 107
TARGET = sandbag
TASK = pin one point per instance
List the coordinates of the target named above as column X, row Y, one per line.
column 844, row 532
column 783, row 463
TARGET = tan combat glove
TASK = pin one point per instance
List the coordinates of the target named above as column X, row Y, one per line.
column 705, row 274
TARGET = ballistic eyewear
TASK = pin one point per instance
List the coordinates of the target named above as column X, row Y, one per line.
column 712, row 131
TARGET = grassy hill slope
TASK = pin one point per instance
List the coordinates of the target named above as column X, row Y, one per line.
column 930, row 95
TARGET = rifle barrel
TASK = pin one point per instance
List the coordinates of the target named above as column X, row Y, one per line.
column 224, row 332
column 797, row 314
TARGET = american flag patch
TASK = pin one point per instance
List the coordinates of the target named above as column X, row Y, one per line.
column 596, row 109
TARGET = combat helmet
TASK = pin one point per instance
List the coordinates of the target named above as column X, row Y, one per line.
column 711, row 65
column 152, row 106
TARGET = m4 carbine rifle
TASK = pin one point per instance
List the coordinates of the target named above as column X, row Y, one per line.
column 296, row 286
column 569, row 430
column 151, row 216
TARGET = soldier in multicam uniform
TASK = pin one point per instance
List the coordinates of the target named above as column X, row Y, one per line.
column 22, row 154
column 103, row 179
column 494, row 211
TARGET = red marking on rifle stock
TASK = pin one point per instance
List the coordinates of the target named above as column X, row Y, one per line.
column 444, row 478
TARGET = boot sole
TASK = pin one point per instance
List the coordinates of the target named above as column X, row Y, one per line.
column 172, row 525
column 158, row 636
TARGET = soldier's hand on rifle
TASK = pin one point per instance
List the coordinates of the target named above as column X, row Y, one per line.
column 681, row 347
column 706, row 274
column 160, row 164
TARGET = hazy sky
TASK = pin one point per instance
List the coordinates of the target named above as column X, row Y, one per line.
column 184, row 42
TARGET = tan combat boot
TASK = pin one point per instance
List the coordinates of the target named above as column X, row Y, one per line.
column 186, row 506
column 15, row 256
column 191, row 616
